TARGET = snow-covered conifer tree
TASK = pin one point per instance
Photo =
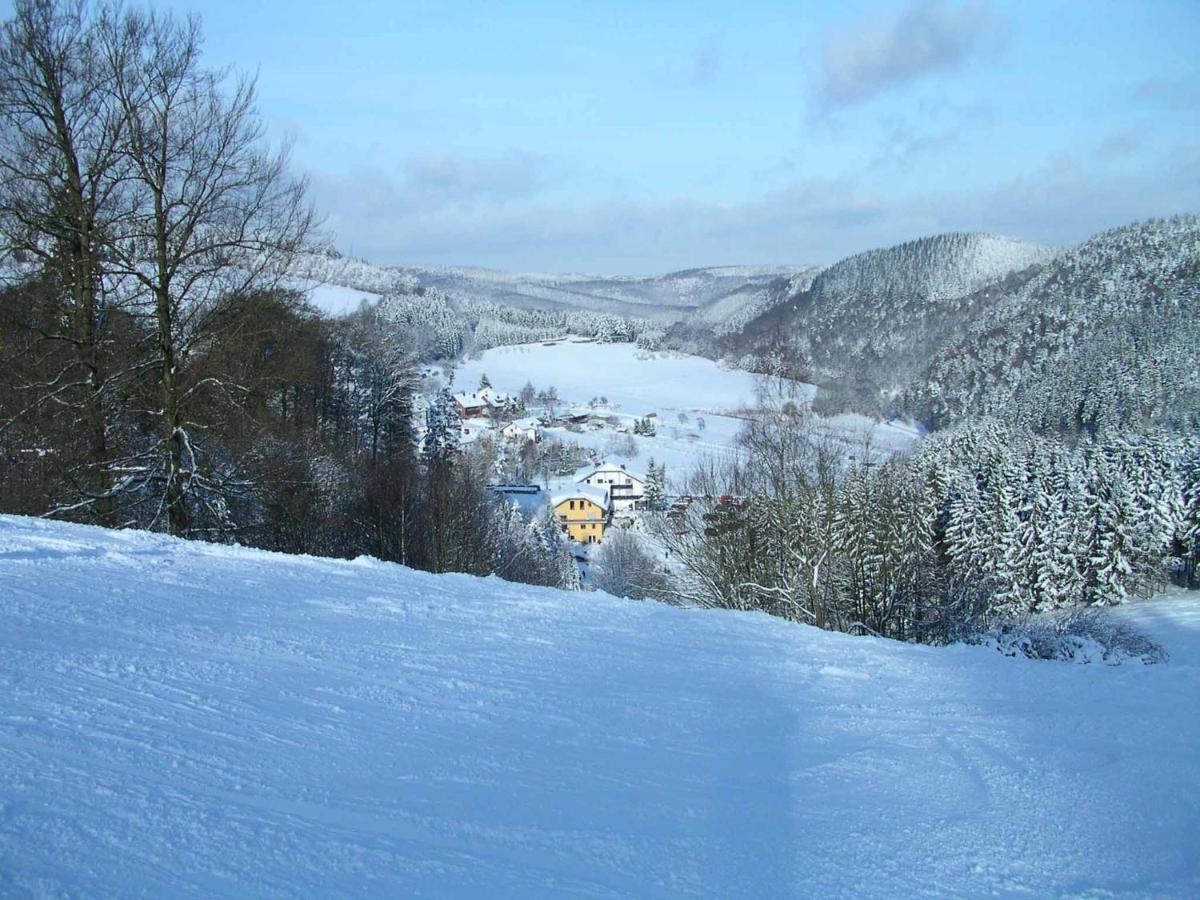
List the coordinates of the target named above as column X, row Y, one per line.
column 441, row 430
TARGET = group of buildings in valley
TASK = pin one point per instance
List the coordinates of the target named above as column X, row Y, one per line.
column 488, row 411
column 587, row 505
column 609, row 492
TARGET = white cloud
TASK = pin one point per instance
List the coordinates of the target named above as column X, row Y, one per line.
column 814, row 220
column 1173, row 93
column 928, row 36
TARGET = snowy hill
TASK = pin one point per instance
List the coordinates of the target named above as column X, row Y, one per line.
column 866, row 326
column 722, row 297
column 930, row 269
column 663, row 298
column 730, row 312
column 874, row 303
column 337, row 285
column 189, row 719
column 1106, row 335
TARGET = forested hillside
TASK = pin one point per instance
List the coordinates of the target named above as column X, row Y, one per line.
column 1106, row 336
column 662, row 298
column 1075, row 341
column 865, row 325
column 732, row 311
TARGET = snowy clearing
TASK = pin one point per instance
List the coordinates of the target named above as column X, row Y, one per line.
column 193, row 719
column 335, row 299
column 635, row 381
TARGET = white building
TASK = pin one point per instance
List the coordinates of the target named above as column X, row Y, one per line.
column 521, row 430
column 473, row 429
column 626, row 489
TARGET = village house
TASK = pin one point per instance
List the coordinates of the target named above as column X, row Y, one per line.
column 521, row 430
column 474, row 404
column 473, row 429
column 584, row 513
column 627, row 491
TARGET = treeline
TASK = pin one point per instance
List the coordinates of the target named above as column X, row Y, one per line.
column 981, row 524
column 154, row 373
column 464, row 327
column 314, row 452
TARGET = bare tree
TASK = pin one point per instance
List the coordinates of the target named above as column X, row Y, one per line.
column 61, row 177
column 759, row 530
column 213, row 214
column 625, row 569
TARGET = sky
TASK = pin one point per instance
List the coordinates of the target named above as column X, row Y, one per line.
column 635, row 137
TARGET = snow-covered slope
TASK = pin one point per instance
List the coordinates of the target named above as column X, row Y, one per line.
column 930, row 269
column 866, row 325
column 326, row 268
column 1105, row 336
column 636, row 382
column 878, row 298
column 338, row 285
column 722, row 296
column 663, row 298
column 184, row 719
column 732, row 311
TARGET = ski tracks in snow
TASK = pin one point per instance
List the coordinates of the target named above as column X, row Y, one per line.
column 189, row 719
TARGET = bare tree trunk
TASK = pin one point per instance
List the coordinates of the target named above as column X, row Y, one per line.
column 173, row 433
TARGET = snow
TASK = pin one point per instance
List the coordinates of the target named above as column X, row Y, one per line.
column 338, row 285
column 731, row 312
column 667, row 297
column 637, row 382
column 634, row 381
column 597, row 495
column 611, row 470
column 188, row 719
column 937, row 268
column 336, row 299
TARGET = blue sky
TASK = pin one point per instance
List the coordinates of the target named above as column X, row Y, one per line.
column 635, row 137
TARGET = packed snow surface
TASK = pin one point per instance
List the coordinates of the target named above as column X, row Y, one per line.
column 187, row 719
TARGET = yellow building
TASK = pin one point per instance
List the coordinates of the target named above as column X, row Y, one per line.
column 583, row 513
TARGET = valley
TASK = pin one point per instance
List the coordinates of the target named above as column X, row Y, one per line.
column 575, row 450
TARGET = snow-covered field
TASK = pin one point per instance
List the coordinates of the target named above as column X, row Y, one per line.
column 336, row 299
column 637, row 382
column 191, row 720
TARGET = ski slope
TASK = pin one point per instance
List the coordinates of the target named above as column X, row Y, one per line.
column 193, row 720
